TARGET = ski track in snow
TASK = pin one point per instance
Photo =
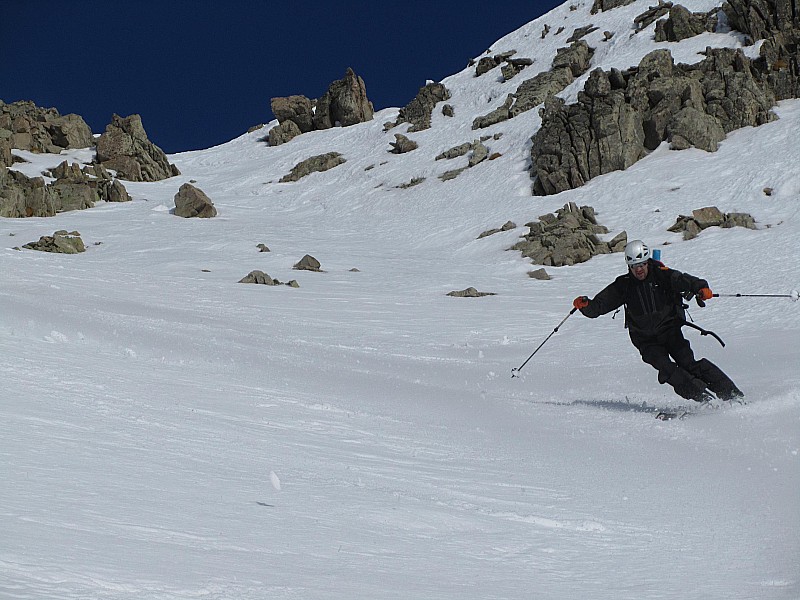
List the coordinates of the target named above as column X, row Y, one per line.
column 168, row 433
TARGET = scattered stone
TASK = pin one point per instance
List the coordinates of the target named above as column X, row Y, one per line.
column 479, row 154
column 402, row 144
column 509, row 225
column 448, row 110
column 315, row 164
column 414, row 181
column 452, row 174
column 710, row 216
column 768, row 191
column 193, row 202
column 61, row 242
column 308, row 263
column 263, row 248
column 470, row 292
column 540, row 274
column 260, row 278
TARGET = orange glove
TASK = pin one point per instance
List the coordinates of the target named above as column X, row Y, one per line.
column 704, row 294
column 581, row 302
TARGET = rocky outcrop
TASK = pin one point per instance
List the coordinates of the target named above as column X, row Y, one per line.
column 570, row 62
column 125, row 148
column 418, row 112
column 345, row 103
column 567, row 237
column 193, row 202
column 73, row 189
column 777, row 22
column 61, row 242
column 25, row 126
column 621, row 116
column 710, row 216
column 315, row 164
column 683, row 24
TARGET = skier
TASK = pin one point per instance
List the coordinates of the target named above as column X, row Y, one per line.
column 654, row 314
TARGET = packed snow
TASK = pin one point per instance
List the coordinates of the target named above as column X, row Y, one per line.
column 167, row 432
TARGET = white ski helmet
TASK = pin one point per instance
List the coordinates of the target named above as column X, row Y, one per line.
column 636, row 253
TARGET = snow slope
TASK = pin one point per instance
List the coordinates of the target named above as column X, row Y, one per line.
column 168, row 433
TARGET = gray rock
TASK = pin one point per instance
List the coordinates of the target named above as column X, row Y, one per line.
column 710, row 216
column 297, row 110
column 479, row 154
column 61, row 242
column 193, row 202
column 690, row 127
column 308, row 263
column 402, row 144
column 681, row 24
column 282, row 133
column 540, row 274
column 470, row 292
column 259, row 277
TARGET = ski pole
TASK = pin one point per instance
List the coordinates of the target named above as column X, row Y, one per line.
column 516, row 370
column 794, row 295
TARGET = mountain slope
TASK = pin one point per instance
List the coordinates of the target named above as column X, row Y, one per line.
column 170, row 433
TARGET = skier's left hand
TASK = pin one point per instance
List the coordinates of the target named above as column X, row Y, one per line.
column 702, row 295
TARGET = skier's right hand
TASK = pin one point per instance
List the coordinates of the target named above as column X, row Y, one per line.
column 581, row 302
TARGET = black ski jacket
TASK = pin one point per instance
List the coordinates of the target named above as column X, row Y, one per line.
column 653, row 306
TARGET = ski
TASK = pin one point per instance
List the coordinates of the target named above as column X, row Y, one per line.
column 665, row 415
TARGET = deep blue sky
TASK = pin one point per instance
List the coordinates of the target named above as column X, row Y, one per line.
column 201, row 73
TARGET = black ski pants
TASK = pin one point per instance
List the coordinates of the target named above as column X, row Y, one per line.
column 672, row 356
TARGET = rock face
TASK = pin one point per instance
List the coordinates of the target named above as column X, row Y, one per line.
column 124, row 147
column 567, row 237
column 193, row 202
column 25, row 126
column 344, row 104
column 622, row 116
